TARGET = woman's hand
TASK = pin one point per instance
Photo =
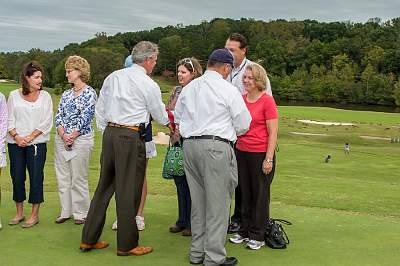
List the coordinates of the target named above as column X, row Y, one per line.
column 68, row 139
column 21, row 142
column 175, row 136
column 29, row 138
column 267, row 167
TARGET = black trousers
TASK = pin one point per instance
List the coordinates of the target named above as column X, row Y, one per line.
column 184, row 201
column 255, row 188
column 33, row 158
column 123, row 162
column 237, row 216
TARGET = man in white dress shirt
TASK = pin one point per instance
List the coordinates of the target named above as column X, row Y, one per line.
column 210, row 113
column 127, row 99
column 237, row 44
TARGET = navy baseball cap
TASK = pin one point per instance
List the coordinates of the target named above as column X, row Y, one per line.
column 222, row 55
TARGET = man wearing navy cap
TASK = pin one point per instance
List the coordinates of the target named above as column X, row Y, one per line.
column 210, row 113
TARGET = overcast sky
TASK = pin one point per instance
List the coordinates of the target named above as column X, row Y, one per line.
column 52, row 24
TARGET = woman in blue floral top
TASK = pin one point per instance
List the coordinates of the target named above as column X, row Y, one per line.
column 74, row 142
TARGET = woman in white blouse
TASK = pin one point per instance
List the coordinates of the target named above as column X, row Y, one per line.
column 3, row 132
column 30, row 113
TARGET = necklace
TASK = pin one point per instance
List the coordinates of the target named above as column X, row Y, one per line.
column 78, row 90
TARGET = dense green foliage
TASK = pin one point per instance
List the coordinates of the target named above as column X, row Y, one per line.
column 307, row 60
column 341, row 211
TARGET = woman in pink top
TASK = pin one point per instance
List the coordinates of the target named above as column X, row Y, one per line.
column 256, row 158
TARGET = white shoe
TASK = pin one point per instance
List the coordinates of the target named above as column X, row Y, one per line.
column 254, row 244
column 238, row 239
column 0, row 224
column 140, row 223
column 115, row 225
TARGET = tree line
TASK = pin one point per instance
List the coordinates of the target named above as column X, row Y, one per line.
column 342, row 62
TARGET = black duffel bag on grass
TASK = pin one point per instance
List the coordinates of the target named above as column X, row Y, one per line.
column 275, row 235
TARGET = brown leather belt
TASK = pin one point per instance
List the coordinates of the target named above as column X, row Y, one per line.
column 134, row 128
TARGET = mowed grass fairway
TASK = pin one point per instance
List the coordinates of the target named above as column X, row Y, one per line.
column 345, row 212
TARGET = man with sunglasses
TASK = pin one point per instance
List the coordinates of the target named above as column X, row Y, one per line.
column 209, row 114
column 127, row 99
column 237, row 45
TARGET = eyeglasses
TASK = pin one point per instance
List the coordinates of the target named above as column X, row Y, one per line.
column 186, row 61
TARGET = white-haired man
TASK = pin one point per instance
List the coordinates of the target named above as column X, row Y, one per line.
column 127, row 99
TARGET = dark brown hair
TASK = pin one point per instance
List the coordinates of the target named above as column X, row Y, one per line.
column 191, row 64
column 27, row 71
column 238, row 38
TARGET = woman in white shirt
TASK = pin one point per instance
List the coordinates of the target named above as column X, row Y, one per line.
column 3, row 132
column 30, row 113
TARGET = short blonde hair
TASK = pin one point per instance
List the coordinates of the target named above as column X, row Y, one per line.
column 259, row 74
column 79, row 63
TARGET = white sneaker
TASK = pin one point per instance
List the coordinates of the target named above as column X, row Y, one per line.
column 140, row 223
column 254, row 244
column 238, row 239
column 115, row 225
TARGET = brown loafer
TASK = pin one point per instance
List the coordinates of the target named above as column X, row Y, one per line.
column 176, row 229
column 137, row 251
column 80, row 221
column 187, row 232
column 88, row 247
column 29, row 225
column 60, row 220
column 16, row 221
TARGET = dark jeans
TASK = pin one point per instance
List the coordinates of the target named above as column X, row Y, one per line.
column 33, row 159
column 184, row 202
column 123, row 163
column 255, row 188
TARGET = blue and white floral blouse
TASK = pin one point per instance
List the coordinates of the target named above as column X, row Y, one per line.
column 77, row 112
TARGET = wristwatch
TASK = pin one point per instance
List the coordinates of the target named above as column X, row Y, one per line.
column 268, row 160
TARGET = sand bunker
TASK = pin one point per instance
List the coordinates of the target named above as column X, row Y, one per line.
column 375, row 138
column 308, row 134
column 325, row 123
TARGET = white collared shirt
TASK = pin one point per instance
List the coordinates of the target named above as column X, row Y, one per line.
column 210, row 105
column 27, row 116
column 128, row 97
column 237, row 74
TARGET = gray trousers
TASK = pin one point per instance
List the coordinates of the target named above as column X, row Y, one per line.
column 211, row 172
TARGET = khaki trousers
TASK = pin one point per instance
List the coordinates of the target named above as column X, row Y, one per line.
column 72, row 177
